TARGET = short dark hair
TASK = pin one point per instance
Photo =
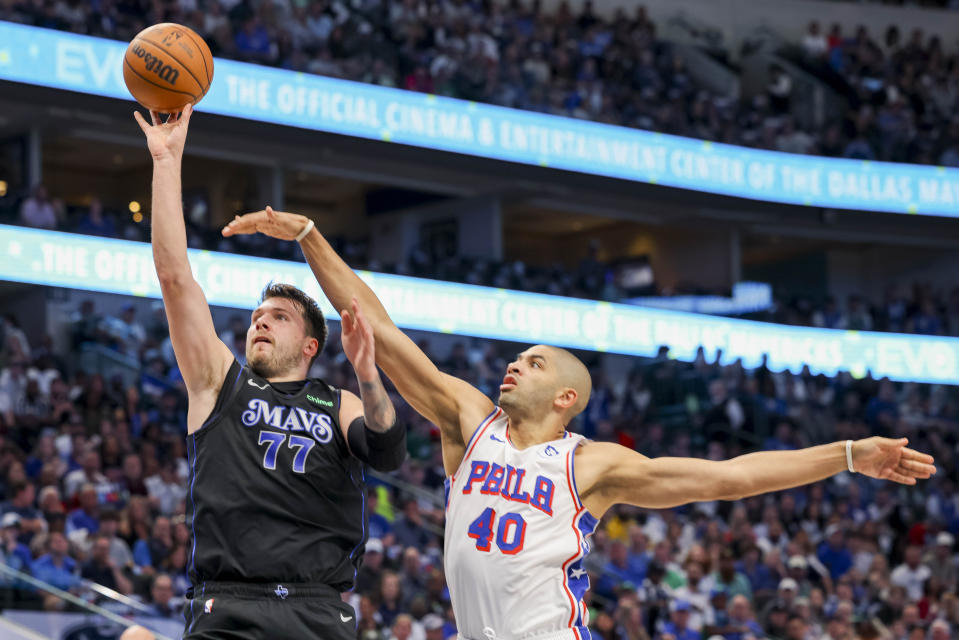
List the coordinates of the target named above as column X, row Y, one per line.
column 309, row 309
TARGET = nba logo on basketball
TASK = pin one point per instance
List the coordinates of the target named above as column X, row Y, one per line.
column 208, row 606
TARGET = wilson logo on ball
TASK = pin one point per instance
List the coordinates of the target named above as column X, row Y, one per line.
column 154, row 65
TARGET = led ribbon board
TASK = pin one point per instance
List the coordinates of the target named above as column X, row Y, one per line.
column 93, row 65
column 118, row 266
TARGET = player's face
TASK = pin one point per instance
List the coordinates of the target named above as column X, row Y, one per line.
column 529, row 386
column 276, row 338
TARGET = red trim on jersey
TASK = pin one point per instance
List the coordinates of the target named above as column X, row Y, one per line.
column 479, row 433
column 579, row 544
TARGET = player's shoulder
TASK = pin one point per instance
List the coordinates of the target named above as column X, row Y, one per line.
column 596, row 460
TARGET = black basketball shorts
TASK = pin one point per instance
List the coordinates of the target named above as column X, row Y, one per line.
column 251, row 611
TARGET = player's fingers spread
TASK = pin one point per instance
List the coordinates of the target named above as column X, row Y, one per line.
column 140, row 121
column 901, row 479
column 919, row 467
column 155, row 117
column 912, row 454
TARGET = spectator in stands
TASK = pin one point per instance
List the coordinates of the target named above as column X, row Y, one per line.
column 163, row 603
column 56, row 567
column 120, row 554
column 911, row 574
column 13, row 552
column 38, row 210
column 166, row 489
column 391, row 598
column 89, row 473
column 101, row 569
column 655, row 596
column 253, row 42
column 741, row 620
column 678, row 626
column 153, row 551
column 727, row 578
column 814, row 43
column 97, row 223
column 696, row 592
column 86, row 516
column 620, row 570
column 30, row 520
column 125, row 333
column 834, row 552
column 408, row 529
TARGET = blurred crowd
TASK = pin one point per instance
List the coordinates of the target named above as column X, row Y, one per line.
column 920, row 308
column 901, row 91
column 94, row 480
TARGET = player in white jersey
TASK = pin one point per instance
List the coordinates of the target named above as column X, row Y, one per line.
column 523, row 493
column 521, row 560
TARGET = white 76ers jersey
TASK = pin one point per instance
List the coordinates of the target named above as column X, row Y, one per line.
column 516, row 536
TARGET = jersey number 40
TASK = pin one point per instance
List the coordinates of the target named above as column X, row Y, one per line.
column 510, row 533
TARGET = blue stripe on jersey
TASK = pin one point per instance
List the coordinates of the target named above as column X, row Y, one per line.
column 479, row 427
column 584, row 633
column 572, row 476
column 447, row 487
column 586, row 524
column 363, row 519
column 192, row 504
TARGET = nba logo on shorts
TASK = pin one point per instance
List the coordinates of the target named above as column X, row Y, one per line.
column 208, row 606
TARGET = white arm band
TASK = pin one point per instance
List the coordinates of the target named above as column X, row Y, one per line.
column 309, row 227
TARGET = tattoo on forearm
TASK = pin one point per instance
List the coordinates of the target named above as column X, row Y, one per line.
column 378, row 411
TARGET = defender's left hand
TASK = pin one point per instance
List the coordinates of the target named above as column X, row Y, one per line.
column 276, row 224
column 358, row 341
column 889, row 459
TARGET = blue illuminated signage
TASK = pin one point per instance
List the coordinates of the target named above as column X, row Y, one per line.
column 119, row 266
column 748, row 297
column 93, row 65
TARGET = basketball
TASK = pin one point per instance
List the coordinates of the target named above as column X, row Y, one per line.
column 167, row 66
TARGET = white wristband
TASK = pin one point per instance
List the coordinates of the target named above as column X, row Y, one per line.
column 849, row 457
column 306, row 230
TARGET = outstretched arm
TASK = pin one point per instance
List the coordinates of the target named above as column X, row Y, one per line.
column 202, row 357
column 452, row 404
column 611, row 474
column 368, row 422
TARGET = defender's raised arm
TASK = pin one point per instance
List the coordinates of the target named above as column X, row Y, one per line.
column 452, row 404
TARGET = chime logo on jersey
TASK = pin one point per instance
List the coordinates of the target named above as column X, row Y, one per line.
column 318, row 425
column 509, row 482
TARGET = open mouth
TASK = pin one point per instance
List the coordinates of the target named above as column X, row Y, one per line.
column 509, row 382
column 261, row 339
